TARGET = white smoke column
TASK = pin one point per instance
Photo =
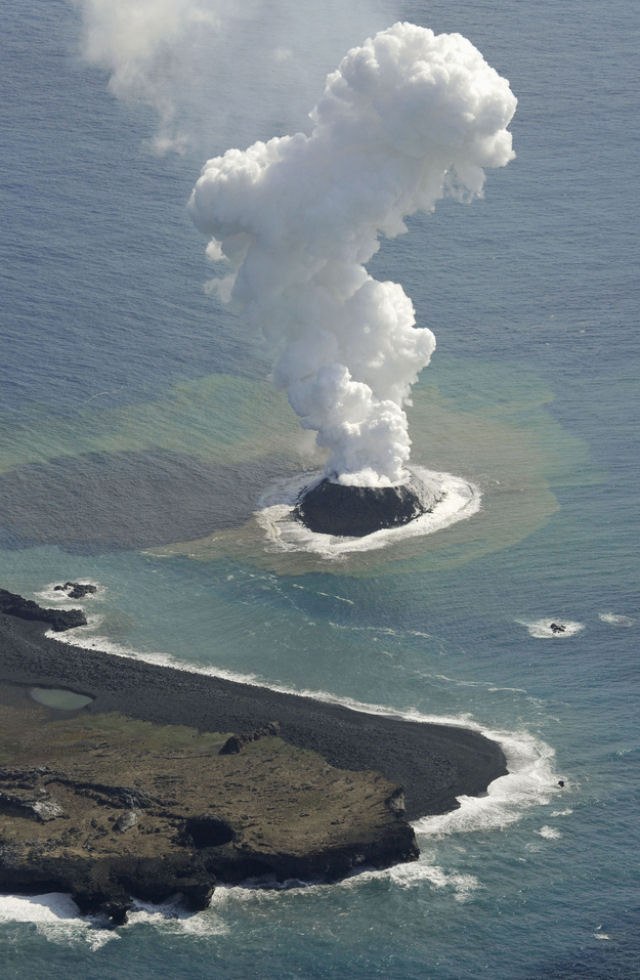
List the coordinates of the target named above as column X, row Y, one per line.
column 407, row 118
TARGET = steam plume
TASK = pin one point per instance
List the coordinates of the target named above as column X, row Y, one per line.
column 244, row 69
column 406, row 119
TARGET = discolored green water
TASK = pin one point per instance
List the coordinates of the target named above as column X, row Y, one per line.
column 139, row 428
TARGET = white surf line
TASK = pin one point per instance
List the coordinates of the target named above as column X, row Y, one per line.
column 406, row 875
column 459, row 500
column 58, row 919
column 79, row 636
column 530, row 781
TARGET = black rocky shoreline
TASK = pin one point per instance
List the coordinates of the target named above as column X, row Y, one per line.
column 433, row 763
column 424, row 767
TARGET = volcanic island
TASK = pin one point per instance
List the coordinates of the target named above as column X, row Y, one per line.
column 331, row 507
column 121, row 779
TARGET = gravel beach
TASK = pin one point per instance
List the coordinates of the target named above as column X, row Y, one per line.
column 433, row 763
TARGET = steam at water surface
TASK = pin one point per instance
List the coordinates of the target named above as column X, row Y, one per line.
column 407, row 119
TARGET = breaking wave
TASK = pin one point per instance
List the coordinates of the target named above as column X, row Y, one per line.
column 457, row 500
column 543, row 629
column 531, row 780
column 613, row 619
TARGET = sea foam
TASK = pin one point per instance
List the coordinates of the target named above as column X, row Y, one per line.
column 457, row 500
column 549, row 833
column 56, row 917
column 613, row 619
column 541, row 629
column 62, row 601
column 531, row 780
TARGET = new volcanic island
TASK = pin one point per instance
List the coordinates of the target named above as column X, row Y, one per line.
column 347, row 510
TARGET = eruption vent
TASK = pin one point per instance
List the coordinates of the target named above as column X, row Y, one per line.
column 407, row 119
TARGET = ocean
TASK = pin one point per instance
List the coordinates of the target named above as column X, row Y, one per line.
column 140, row 431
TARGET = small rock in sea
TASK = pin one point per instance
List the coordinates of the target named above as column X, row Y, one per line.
column 76, row 590
column 557, row 628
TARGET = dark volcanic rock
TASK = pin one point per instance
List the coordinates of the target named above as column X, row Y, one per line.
column 194, row 816
column 273, row 807
column 76, row 590
column 59, row 619
column 350, row 511
column 235, row 742
column 435, row 763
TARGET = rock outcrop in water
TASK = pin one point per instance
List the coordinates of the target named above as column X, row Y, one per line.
column 76, row 590
column 353, row 511
column 58, row 619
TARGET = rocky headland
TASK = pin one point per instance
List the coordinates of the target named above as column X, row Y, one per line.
column 171, row 780
column 59, row 620
column 114, row 807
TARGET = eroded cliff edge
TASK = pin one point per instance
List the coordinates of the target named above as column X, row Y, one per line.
column 105, row 807
column 316, row 800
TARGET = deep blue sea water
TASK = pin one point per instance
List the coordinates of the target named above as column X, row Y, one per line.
column 129, row 400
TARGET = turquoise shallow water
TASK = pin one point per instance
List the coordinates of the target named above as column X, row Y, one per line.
column 114, row 359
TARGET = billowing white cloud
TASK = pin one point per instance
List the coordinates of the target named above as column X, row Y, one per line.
column 408, row 118
column 217, row 71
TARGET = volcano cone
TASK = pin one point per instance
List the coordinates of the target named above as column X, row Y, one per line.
column 352, row 511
